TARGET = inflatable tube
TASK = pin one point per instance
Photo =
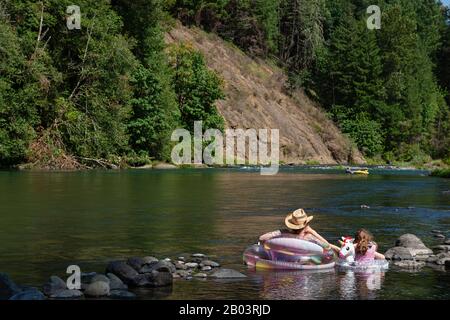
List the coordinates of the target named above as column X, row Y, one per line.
column 376, row 265
column 286, row 253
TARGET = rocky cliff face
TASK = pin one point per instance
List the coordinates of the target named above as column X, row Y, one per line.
column 255, row 98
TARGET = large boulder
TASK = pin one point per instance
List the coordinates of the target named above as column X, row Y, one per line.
column 408, row 247
column 122, row 270
column 8, row 287
column 227, row 274
column 53, row 286
column 412, row 242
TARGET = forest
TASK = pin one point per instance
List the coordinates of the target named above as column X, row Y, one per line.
column 112, row 91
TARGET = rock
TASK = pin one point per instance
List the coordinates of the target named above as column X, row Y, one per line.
column 86, row 277
column 364, row 206
column 200, row 275
column 206, row 268
column 181, row 258
column 97, row 289
column 227, row 274
column 432, row 259
column 210, row 263
column 407, row 247
column 54, row 285
column 115, row 283
column 414, row 243
column 176, row 275
column 101, row 277
column 164, row 166
column 30, row 294
column 159, row 279
column 439, row 236
column 123, row 271
column 442, row 248
column 122, row 295
column 183, row 273
column 191, row 265
column 421, row 257
column 409, row 264
column 442, row 258
column 136, row 263
column 436, row 231
column 149, row 260
column 198, row 255
column 447, row 264
column 8, row 287
column 67, row 294
column 398, row 253
column 180, row 266
column 168, row 260
column 159, row 266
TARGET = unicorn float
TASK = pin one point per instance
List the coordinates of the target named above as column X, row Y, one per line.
column 347, row 258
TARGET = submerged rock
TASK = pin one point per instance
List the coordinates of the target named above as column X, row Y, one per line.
column 122, row 295
column 198, row 255
column 227, row 274
column 30, row 294
column 8, row 287
column 200, row 275
column 409, row 264
column 210, row 263
column 67, row 294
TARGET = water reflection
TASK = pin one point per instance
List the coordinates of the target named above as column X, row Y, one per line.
column 359, row 284
column 296, row 285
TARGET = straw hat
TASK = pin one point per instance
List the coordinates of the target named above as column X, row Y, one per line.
column 297, row 220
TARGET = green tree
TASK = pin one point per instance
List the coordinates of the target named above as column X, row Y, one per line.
column 197, row 89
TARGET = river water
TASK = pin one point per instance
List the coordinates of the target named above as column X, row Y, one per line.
column 51, row 220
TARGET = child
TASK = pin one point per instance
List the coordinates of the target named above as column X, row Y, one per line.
column 365, row 247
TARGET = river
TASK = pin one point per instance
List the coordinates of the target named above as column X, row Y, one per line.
column 51, row 220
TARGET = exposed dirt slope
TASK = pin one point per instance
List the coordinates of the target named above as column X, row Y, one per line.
column 255, row 98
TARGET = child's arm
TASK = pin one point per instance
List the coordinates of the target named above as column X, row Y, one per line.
column 322, row 239
column 379, row 256
column 269, row 235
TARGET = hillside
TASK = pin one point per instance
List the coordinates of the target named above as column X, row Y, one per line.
column 255, row 98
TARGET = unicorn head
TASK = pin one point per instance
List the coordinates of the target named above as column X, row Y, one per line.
column 347, row 252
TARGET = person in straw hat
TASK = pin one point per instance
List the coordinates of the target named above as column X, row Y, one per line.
column 297, row 223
